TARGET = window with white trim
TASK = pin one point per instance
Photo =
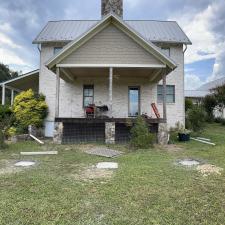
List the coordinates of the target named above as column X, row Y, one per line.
column 88, row 95
column 57, row 49
column 166, row 51
column 170, row 93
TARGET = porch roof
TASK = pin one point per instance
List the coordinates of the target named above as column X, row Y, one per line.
column 24, row 82
column 120, row 24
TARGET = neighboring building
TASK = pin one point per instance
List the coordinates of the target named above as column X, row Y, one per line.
column 197, row 95
column 120, row 65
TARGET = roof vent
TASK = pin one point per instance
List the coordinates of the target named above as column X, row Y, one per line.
column 112, row 6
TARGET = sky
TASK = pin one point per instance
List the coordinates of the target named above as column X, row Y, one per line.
column 202, row 20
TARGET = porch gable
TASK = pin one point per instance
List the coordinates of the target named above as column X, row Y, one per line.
column 112, row 19
column 111, row 46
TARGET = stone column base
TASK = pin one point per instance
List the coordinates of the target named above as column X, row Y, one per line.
column 58, row 133
column 163, row 134
column 110, row 132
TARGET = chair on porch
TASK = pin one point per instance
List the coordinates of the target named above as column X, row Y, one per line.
column 90, row 111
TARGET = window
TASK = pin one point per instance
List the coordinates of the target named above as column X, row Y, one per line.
column 88, row 95
column 166, row 51
column 134, row 101
column 57, row 49
column 170, row 93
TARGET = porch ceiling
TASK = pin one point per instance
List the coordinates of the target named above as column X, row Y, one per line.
column 153, row 74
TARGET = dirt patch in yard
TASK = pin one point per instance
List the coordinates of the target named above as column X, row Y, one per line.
column 12, row 166
column 92, row 173
column 208, row 169
column 8, row 167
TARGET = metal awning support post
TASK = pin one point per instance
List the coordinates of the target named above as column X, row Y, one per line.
column 110, row 90
column 164, row 98
column 12, row 96
column 57, row 92
column 3, row 94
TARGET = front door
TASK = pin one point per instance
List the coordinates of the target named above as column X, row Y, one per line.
column 134, row 101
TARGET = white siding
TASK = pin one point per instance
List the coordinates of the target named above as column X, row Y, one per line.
column 111, row 46
column 71, row 95
column 175, row 111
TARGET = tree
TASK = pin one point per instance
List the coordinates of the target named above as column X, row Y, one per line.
column 29, row 109
column 195, row 118
column 209, row 104
column 188, row 104
column 219, row 94
column 6, row 73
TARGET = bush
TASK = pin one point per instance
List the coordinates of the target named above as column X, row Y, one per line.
column 29, row 109
column 209, row 104
column 218, row 120
column 188, row 104
column 223, row 122
column 6, row 118
column 12, row 131
column 195, row 118
column 140, row 135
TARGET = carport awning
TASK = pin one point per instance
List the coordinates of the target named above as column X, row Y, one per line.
column 24, row 82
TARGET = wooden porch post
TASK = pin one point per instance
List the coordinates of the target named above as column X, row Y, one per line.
column 110, row 89
column 57, row 92
column 3, row 94
column 164, row 98
column 12, row 96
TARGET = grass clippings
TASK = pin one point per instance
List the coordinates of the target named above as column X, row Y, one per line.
column 208, row 169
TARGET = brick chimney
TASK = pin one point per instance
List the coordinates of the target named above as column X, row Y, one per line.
column 115, row 6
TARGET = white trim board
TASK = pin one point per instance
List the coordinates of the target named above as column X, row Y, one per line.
column 110, row 66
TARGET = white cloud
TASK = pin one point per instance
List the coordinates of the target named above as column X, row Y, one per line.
column 192, row 82
column 9, row 57
column 6, row 27
column 131, row 3
column 5, row 40
column 196, row 26
column 206, row 42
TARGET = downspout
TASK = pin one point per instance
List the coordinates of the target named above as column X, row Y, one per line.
column 185, row 49
column 38, row 47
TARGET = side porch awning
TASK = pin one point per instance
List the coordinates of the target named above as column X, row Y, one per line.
column 21, row 83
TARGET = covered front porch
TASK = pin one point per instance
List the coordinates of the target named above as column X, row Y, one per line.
column 111, row 85
column 121, row 70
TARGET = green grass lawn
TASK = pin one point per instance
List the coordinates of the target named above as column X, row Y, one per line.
column 148, row 188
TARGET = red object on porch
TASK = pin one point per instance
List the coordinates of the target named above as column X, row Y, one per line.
column 90, row 111
column 156, row 111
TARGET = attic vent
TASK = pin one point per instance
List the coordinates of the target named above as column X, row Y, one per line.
column 115, row 6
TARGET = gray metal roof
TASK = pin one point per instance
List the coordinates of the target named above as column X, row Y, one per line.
column 213, row 84
column 196, row 93
column 205, row 89
column 151, row 30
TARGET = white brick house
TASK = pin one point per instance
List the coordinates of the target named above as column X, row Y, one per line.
column 115, row 63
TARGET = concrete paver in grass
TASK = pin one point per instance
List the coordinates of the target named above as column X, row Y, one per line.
column 103, row 151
